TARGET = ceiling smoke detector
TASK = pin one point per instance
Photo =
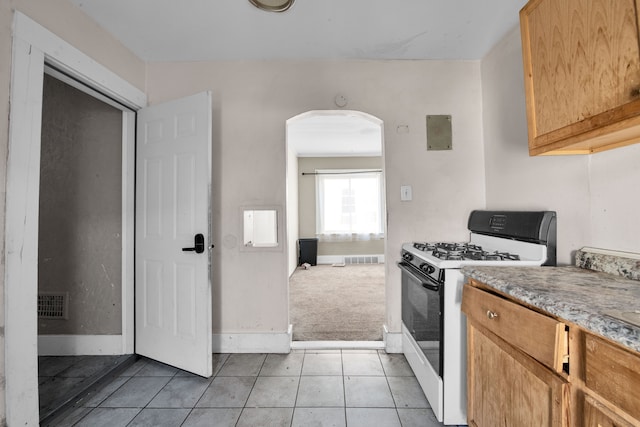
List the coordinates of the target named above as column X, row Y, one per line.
column 272, row 5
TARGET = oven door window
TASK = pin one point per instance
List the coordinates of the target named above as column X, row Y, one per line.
column 422, row 315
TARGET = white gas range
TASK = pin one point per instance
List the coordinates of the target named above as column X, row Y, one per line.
column 433, row 326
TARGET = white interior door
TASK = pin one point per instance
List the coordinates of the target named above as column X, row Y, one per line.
column 173, row 287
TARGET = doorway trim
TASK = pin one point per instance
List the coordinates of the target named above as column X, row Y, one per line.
column 33, row 45
column 390, row 341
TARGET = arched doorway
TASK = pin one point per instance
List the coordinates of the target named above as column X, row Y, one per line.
column 336, row 155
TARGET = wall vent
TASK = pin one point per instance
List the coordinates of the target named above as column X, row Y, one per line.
column 361, row 260
column 53, row 305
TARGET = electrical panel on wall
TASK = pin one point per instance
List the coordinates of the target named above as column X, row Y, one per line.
column 439, row 132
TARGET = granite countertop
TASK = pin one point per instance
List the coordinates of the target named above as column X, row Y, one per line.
column 577, row 295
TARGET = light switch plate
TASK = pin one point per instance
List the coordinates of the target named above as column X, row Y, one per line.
column 405, row 193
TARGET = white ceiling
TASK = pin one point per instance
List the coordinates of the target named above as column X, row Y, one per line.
column 196, row 30
column 334, row 133
column 185, row 30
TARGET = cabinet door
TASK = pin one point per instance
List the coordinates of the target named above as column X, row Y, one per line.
column 597, row 415
column 582, row 66
column 508, row 388
column 613, row 373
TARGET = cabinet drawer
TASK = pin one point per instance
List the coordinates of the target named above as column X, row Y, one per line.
column 613, row 373
column 539, row 336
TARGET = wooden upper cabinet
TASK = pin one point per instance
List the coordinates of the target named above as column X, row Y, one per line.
column 582, row 74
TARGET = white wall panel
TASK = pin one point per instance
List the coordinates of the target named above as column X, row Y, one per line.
column 514, row 180
column 253, row 100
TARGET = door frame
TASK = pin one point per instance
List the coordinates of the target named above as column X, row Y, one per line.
column 33, row 46
column 390, row 341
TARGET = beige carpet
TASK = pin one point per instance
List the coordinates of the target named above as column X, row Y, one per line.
column 337, row 303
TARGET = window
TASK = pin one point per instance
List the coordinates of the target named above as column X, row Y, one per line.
column 349, row 205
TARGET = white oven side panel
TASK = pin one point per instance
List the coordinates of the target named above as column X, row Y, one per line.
column 428, row 378
column 455, row 350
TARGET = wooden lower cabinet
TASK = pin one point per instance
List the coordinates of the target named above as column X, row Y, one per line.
column 526, row 368
column 514, row 363
column 595, row 414
column 606, row 379
column 508, row 388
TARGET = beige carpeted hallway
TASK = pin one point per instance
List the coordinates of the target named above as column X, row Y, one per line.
column 337, row 303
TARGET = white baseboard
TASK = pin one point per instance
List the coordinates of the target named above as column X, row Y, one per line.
column 79, row 345
column 337, row 259
column 337, row 345
column 392, row 341
column 274, row 342
column 330, row 259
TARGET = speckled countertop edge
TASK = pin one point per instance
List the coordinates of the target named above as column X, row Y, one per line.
column 573, row 294
column 612, row 264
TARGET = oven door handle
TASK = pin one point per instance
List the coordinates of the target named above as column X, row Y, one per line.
column 426, row 281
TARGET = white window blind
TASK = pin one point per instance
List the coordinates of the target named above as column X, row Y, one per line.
column 349, row 205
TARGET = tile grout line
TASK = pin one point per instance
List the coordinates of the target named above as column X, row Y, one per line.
column 344, row 388
column 195, row 405
column 252, row 387
column 155, row 395
column 386, row 377
column 295, row 402
column 213, row 377
column 92, row 409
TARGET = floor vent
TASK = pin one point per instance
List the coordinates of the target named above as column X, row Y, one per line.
column 361, row 260
column 53, row 305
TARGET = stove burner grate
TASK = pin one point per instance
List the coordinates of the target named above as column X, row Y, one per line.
column 424, row 247
column 507, row 256
column 463, row 251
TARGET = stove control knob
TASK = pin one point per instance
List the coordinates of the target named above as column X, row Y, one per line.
column 427, row 268
column 407, row 256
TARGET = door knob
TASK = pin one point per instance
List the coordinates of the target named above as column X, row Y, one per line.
column 198, row 243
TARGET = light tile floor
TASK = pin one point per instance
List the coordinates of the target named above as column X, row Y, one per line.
column 60, row 378
column 303, row 388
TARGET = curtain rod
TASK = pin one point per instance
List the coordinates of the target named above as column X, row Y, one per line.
column 342, row 173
